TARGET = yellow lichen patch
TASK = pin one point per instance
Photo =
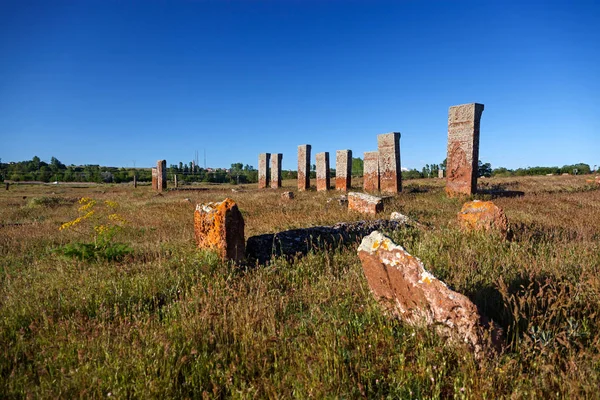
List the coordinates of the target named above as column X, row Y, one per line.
column 385, row 244
column 376, row 245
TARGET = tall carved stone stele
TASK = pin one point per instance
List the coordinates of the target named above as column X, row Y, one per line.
column 463, row 149
column 371, row 171
column 161, row 171
column 263, row 166
column 322, row 171
column 154, row 179
column 276, row 170
column 390, row 175
column 304, row 167
column 343, row 170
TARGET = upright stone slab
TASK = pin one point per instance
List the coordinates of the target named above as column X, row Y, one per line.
column 441, row 173
column 343, row 169
column 463, row 149
column 371, row 171
column 390, row 175
column 304, row 167
column 276, row 170
column 263, row 166
column 154, row 179
column 161, row 172
column 322, row 171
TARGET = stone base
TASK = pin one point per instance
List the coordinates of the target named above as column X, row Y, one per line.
column 220, row 227
column 364, row 203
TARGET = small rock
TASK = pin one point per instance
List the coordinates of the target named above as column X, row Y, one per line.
column 483, row 215
column 287, row 195
column 220, row 227
column 364, row 203
column 186, row 200
column 396, row 216
column 405, row 288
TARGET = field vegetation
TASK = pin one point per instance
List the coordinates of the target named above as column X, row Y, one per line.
column 157, row 318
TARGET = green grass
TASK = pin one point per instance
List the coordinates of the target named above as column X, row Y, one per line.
column 170, row 321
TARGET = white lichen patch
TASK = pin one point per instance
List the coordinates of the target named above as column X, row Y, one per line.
column 377, row 240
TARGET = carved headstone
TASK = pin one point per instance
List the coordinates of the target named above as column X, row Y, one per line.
column 263, row 167
column 161, row 173
column 371, row 171
column 220, row 227
column 463, row 149
column 364, row 203
column 390, row 175
column 405, row 288
column 276, row 170
column 440, row 173
column 343, row 170
column 322, row 171
column 154, row 179
column 304, row 167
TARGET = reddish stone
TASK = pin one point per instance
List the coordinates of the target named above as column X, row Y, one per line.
column 390, row 175
column 161, row 175
column 463, row 149
column 220, row 227
column 263, row 166
column 371, row 171
column 323, row 180
column 154, row 179
column 287, row 195
column 304, row 167
column 364, row 203
column 276, row 170
column 343, row 170
column 405, row 288
column 483, row 216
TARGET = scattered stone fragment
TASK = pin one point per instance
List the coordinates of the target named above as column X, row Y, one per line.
column 463, row 149
column 341, row 200
column 304, row 167
column 390, row 175
column 405, row 288
column 396, row 216
column 287, row 195
column 364, row 203
column 220, row 227
column 483, row 215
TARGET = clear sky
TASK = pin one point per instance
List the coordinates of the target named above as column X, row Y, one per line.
column 122, row 82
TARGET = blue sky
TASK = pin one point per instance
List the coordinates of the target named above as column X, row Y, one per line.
column 123, row 82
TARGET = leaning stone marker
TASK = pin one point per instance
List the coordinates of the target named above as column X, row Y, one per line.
column 480, row 215
column 364, row 203
column 371, row 171
column 220, row 227
column 161, row 173
column 343, row 170
column 154, row 179
column 263, row 166
column 304, row 167
column 276, row 170
column 390, row 175
column 405, row 288
column 463, row 149
column 322, row 171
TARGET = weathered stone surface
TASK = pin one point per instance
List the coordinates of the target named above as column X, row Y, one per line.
column 287, row 195
column 276, row 170
column 483, row 215
column 263, row 168
column 441, row 173
column 161, row 172
column 371, row 171
column 598, row 180
column 154, row 179
column 396, row 216
column 463, row 149
column 323, row 173
column 301, row 241
column 364, row 203
column 220, row 227
column 405, row 288
column 390, row 175
column 304, row 167
column 343, row 170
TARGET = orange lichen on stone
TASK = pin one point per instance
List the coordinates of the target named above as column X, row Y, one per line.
column 483, row 215
column 220, row 227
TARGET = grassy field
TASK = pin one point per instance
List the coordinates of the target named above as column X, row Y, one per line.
column 164, row 320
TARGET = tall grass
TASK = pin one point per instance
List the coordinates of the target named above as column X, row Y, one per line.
column 173, row 322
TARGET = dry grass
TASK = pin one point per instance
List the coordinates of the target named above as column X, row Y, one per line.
column 174, row 322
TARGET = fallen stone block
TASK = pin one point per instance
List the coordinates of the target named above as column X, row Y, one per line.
column 480, row 215
column 364, row 203
column 403, row 286
column 220, row 227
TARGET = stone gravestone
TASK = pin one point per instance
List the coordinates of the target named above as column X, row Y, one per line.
column 276, row 170
column 263, row 166
column 343, row 169
column 161, row 175
column 304, row 167
column 390, row 175
column 322, row 171
column 440, row 173
column 154, row 179
column 463, row 149
column 371, row 171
